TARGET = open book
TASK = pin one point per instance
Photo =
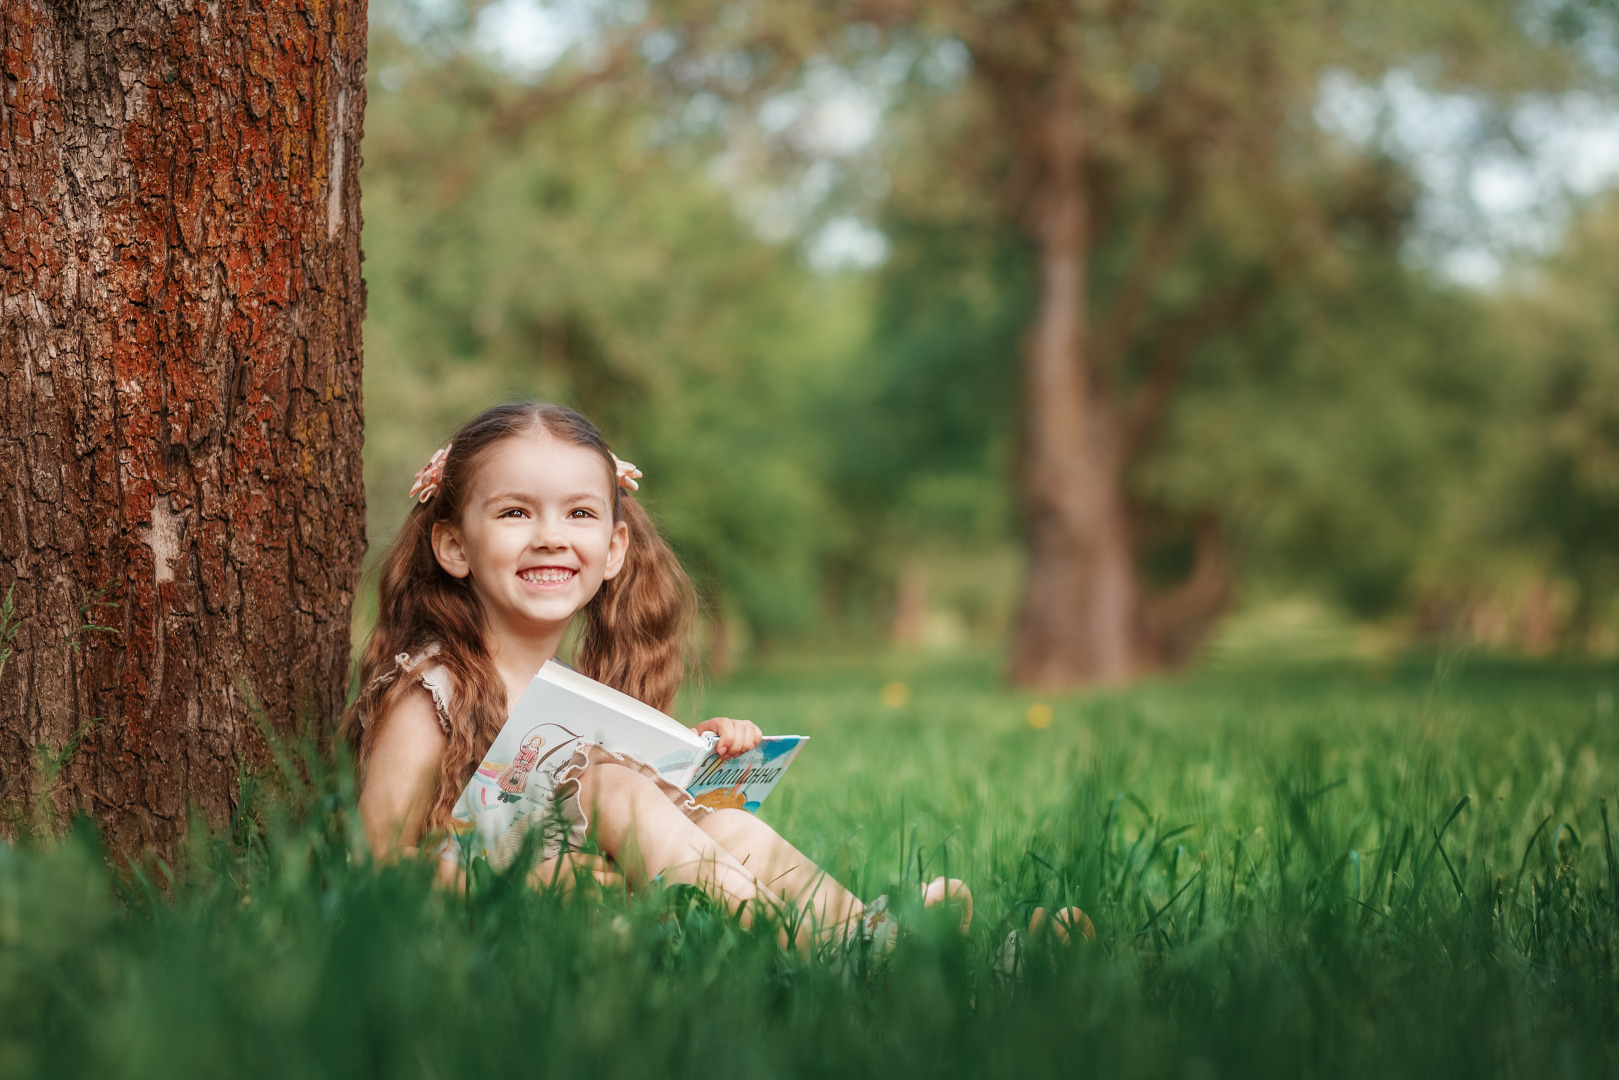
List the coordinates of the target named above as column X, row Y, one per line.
column 560, row 710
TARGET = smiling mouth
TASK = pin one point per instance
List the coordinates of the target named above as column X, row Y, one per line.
column 548, row 575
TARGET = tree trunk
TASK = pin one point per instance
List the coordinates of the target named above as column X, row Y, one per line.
column 183, row 511
column 910, row 605
column 1175, row 624
column 1077, row 621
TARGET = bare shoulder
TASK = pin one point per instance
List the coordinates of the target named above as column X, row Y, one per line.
column 411, row 726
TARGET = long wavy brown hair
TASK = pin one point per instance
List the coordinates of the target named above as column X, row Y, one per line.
column 636, row 634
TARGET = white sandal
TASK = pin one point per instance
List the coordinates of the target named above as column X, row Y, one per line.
column 1010, row 962
column 870, row 937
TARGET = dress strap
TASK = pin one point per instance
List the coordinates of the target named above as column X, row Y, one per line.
column 435, row 679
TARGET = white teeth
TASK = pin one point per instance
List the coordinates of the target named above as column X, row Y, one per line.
column 550, row 575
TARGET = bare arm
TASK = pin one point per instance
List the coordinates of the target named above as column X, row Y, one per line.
column 401, row 777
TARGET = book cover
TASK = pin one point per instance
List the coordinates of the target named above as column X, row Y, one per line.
column 742, row 782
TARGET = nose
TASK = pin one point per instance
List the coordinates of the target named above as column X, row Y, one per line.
column 549, row 533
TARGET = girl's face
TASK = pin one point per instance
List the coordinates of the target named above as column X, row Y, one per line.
column 537, row 536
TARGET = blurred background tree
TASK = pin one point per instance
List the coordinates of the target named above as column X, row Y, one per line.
column 960, row 321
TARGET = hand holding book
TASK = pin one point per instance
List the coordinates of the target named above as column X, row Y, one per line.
column 735, row 736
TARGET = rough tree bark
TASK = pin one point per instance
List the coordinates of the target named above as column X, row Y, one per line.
column 181, row 505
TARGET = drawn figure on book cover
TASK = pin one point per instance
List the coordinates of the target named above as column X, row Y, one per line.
column 513, row 781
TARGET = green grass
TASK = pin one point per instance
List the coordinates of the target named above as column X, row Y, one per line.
column 1321, row 872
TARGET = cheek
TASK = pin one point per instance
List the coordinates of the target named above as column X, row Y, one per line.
column 495, row 545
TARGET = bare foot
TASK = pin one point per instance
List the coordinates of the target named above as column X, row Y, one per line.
column 952, row 891
column 1063, row 925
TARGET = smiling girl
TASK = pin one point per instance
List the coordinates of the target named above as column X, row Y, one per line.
column 523, row 523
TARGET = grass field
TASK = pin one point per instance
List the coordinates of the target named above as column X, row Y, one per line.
column 1317, row 872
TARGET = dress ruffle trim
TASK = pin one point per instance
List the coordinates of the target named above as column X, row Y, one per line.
column 435, row 678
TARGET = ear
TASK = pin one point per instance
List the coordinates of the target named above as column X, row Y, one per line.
column 448, row 550
column 617, row 548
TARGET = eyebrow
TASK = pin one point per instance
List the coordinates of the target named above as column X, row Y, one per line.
column 523, row 496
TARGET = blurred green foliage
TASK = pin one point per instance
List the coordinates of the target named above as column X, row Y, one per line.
column 1330, row 431
column 1409, row 450
column 1551, row 500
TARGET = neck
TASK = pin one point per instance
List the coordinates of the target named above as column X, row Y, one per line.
column 519, row 656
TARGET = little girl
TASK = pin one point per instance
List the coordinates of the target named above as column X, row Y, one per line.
column 523, row 522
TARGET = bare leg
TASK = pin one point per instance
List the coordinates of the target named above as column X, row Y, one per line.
column 648, row 837
column 572, row 869
column 825, row 905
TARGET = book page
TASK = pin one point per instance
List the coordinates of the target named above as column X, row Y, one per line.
column 585, row 686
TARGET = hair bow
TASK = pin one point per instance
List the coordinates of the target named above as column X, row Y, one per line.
column 428, row 480
column 628, row 474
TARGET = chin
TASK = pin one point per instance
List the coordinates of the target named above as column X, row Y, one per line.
column 558, row 612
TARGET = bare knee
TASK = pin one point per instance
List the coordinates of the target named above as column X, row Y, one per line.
column 609, row 784
column 730, row 826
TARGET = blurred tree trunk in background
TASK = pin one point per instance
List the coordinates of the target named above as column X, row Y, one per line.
column 909, row 625
column 1078, row 616
column 180, row 393
column 1096, row 395
column 1081, row 145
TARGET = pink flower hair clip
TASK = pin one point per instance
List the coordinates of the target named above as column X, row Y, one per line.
column 628, row 474
column 428, row 480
